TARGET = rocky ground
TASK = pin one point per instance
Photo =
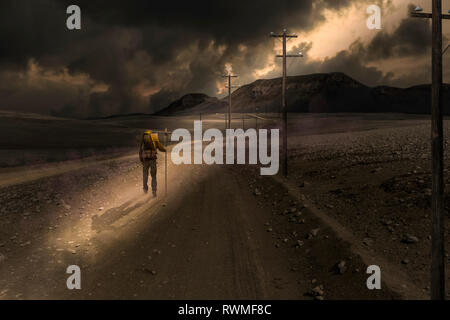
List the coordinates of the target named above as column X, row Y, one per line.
column 313, row 249
column 46, row 220
column 357, row 194
column 377, row 184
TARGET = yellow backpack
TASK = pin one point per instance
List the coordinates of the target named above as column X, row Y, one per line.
column 149, row 146
column 149, row 143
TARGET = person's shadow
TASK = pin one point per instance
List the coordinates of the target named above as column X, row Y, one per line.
column 105, row 221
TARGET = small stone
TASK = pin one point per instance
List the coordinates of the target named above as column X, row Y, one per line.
column 405, row 261
column 368, row 242
column 341, row 266
column 410, row 239
column 317, row 291
column 314, row 232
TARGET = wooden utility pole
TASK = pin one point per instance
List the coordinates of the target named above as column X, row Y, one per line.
column 229, row 86
column 285, row 36
column 166, row 135
column 437, row 200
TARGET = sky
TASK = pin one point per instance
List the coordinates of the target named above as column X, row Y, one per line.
column 139, row 56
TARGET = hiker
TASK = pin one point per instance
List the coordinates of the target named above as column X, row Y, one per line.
column 148, row 154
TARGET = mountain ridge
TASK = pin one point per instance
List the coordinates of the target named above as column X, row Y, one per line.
column 319, row 93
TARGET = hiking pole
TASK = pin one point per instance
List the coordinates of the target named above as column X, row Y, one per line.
column 165, row 158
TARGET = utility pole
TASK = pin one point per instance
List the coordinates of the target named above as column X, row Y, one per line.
column 166, row 142
column 229, row 86
column 285, row 36
column 437, row 200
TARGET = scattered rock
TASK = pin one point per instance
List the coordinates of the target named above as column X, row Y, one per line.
column 368, row 242
column 341, row 267
column 410, row 239
column 315, row 232
column 304, row 184
column 317, row 292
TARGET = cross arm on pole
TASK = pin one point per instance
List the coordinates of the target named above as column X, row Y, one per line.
column 284, row 35
column 427, row 15
column 290, row 56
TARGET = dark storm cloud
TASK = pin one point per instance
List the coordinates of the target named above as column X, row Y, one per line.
column 412, row 37
column 149, row 53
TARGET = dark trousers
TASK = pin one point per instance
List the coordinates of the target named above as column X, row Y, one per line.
column 149, row 164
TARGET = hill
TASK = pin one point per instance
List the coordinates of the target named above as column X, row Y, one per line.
column 315, row 93
column 186, row 103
